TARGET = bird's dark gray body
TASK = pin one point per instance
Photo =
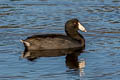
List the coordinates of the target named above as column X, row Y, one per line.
column 72, row 39
column 51, row 41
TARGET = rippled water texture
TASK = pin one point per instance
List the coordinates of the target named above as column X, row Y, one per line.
column 21, row 18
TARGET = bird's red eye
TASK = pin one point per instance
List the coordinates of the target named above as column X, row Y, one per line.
column 75, row 23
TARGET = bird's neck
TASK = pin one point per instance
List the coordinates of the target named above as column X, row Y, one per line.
column 76, row 35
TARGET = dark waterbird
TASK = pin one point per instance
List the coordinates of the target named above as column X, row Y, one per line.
column 72, row 39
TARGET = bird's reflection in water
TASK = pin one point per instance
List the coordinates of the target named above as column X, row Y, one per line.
column 72, row 61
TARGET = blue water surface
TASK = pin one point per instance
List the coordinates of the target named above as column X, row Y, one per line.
column 22, row 18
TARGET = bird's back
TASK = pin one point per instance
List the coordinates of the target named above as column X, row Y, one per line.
column 51, row 41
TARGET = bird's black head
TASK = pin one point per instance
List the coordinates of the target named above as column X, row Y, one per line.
column 74, row 24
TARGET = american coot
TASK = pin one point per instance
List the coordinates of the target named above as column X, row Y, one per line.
column 73, row 39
